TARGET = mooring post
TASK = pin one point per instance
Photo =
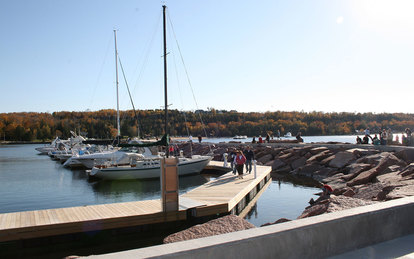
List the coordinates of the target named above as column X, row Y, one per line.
column 255, row 170
column 169, row 184
column 225, row 159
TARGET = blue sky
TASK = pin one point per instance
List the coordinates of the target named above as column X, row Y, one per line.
column 319, row 55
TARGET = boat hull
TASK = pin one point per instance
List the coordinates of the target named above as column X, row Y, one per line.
column 150, row 172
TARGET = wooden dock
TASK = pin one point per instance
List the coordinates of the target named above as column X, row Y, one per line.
column 226, row 194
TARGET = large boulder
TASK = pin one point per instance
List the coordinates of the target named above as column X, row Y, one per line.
column 341, row 159
column 301, row 151
column 281, row 220
column 390, row 178
column 360, row 152
column 376, row 158
column 266, row 158
column 277, row 163
column 353, row 170
column 406, row 154
column 307, row 170
column 327, row 160
column 285, row 155
column 320, row 156
column 401, row 191
column 298, row 162
column 334, row 203
column 284, row 169
column 324, row 172
column 336, row 181
column 367, row 176
column 368, row 191
column 348, row 192
column 307, row 155
column 408, row 170
column 226, row 224
column 357, row 168
column 318, row 150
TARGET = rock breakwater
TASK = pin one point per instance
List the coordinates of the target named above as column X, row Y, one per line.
column 360, row 175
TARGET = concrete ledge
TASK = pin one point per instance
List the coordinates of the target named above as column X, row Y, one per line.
column 315, row 237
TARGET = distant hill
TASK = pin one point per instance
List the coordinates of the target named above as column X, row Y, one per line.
column 31, row 126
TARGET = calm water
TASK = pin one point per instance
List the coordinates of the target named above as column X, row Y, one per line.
column 32, row 182
column 306, row 139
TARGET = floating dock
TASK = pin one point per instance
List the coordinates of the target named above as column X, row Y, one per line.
column 226, row 194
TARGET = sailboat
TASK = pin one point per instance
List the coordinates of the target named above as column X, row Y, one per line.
column 141, row 167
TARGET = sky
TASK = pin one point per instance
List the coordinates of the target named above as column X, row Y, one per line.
column 249, row 56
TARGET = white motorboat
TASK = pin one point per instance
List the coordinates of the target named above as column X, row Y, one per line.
column 140, row 167
column 50, row 147
column 89, row 160
column 240, row 137
column 288, row 135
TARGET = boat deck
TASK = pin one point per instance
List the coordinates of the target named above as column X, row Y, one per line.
column 226, row 194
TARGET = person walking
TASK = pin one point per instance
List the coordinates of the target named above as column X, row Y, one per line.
column 249, row 154
column 232, row 156
column 239, row 161
column 267, row 138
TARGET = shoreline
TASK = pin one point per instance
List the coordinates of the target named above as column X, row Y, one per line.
column 359, row 174
column 23, row 142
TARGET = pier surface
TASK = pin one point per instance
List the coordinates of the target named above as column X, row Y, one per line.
column 226, row 194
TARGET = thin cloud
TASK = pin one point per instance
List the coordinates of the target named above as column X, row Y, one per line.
column 339, row 19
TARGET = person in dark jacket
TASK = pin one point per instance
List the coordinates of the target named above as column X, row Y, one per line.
column 299, row 137
column 232, row 155
column 249, row 154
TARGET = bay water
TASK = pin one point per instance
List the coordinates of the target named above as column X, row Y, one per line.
column 29, row 181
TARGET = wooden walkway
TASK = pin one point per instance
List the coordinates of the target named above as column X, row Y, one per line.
column 223, row 195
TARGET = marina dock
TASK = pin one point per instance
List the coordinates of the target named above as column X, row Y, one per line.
column 224, row 195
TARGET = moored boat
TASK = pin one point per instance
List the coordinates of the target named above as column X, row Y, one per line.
column 141, row 167
column 148, row 168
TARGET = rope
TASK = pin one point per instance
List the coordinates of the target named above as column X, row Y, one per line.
column 182, row 102
column 101, row 69
column 145, row 62
column 188, row 77
column 130, row 97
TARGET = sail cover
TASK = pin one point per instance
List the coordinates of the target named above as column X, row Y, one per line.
column 163, row 142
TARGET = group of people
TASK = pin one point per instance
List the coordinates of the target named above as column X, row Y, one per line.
column 200, row 138
column 238, row 159
column 261, row 140
column 385, row 137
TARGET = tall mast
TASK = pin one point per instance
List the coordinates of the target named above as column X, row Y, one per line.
column 117, row 88
column 167, row 152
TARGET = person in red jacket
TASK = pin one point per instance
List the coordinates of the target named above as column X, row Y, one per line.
column 239, row 161
column 326, row 194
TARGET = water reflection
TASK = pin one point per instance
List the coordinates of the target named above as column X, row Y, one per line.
column 143, row 189
column 286, row 197
column 32, row 182
column 252, row 212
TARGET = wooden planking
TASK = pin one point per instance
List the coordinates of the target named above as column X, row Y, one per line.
column 228, row 189
column 218, row 196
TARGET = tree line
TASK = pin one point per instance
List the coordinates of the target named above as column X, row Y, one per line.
column 31, row 126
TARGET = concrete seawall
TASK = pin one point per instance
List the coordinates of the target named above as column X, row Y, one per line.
column 314, row 237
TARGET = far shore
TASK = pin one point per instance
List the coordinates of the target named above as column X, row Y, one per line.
column 23, row 142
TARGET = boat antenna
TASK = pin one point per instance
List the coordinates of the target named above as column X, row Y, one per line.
column 167, row 152
column 117, row 88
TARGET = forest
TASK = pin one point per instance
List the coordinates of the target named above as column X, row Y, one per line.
column 102, row 124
